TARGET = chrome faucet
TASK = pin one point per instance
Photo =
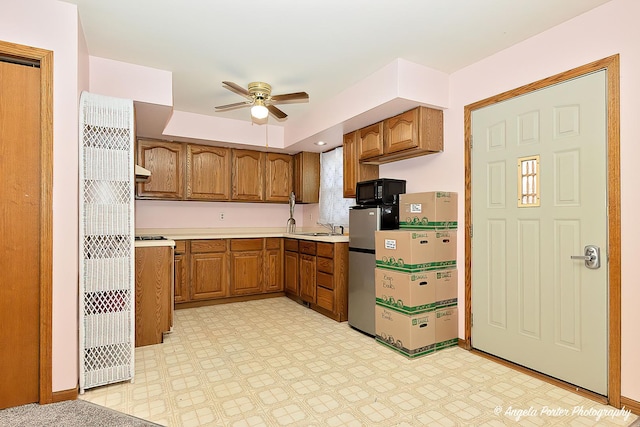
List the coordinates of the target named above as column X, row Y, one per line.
column 334, row 229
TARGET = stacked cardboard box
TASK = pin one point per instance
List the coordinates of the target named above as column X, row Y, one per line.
column 416, row 277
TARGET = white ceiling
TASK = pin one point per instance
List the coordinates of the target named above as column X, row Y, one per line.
column 318, row 46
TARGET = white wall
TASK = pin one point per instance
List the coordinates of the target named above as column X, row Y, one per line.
column 53, row 25
column 604, row 31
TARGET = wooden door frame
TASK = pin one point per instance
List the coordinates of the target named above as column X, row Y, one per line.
column 45, row 60
column 612, row 65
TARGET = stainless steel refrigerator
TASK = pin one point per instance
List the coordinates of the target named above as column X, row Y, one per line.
column 363, row 223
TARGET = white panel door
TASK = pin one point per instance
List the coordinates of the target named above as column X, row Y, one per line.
column 532, row 303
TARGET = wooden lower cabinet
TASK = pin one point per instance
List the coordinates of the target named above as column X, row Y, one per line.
column 213, row 270
column 181, row 271
column 209, row 276
column 291, row 268
column 273, row 263
column 317, row 273
column 308, row 278
column 153, row 277
column 247, row 266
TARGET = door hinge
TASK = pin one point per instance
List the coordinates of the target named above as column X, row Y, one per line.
column 471, row 230
column 471, row 319
column 471, row 141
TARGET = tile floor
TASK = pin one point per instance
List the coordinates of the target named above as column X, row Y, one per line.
column 274, row 362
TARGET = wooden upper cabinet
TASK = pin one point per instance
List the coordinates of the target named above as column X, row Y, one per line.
column 279, row 177
column 414, row 133
column 401, row 132
column 370, row 140
column 306, row 177
column 208, row 172
column 352, row 170
column 247, row 175
column 165, row 160
column 349, row 165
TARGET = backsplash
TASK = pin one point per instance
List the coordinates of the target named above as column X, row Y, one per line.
column 172, row 214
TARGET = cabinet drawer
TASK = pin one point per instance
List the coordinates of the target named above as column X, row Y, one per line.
column 324, row 264
column 181, row 246
column 204, row 246
column 325, row 249
column 325, row 280
column 307, row 247
column 273, row 243
column 324, row 299
column 291, row 245
column 246, row 244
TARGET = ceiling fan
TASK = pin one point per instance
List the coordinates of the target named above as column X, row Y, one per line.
column 259, row 96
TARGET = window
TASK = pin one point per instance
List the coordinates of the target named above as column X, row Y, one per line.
column 334, row 209
column 528, row 182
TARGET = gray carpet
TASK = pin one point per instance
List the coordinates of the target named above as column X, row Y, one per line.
column 71, row 413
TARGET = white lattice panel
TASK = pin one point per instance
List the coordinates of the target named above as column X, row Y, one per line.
column 106, row 240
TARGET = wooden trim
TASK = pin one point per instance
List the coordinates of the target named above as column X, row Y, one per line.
column 63, row 395
column 612, row 65
column 556, row 382
column 630, row 404
column 45, row 59
column 464, row 344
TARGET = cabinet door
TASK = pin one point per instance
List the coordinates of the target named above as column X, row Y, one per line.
column 349, row 165
column 209, row 277
column 306, row 177
column 273, row 264
column 165, row 160
column 352, row 170
column 247, row 175
column 181, row 293
column 274, row 280
column 291, row 276
column 370, row 141
column 246, row 272
column 401, row 132
column 208, row 172
column 279, row 177
column 308, row 278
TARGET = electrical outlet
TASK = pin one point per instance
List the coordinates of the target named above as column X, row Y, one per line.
column 310, row 217
column 221, row 216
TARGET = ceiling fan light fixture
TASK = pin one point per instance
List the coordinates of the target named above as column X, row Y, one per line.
column 259, row 110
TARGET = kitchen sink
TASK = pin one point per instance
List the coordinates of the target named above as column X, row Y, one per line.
column 317, row 234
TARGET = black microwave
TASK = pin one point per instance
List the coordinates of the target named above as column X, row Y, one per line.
column 382, row 191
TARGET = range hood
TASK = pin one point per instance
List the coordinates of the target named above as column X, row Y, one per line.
column 142, row 174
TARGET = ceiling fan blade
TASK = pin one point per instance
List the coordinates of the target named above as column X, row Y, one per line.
column 293, row 97
column 235, row 104
column 276, row 111
column 237, row 89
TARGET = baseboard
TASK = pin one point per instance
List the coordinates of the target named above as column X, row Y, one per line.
column 464, row 344
column 61, row 396
column 630, row 404
column 205, row 303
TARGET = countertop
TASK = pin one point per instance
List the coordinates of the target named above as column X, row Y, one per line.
column 232, row 233
column 152, row 243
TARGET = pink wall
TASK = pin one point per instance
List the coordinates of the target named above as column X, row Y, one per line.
column 170, row 214
column 604, row 31
column 601, row 32
column 53, row 25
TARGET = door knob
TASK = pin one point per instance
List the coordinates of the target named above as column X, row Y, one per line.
column 591, row 257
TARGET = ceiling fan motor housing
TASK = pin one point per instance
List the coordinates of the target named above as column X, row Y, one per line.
column 260, row 89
